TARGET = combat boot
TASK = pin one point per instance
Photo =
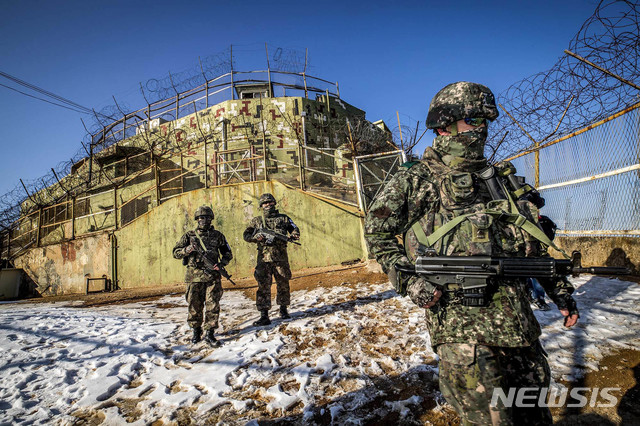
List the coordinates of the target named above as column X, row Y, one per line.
column 197, row 335
column 541, row 304
column 284, row 314
column 210, row 338
column 264, row 318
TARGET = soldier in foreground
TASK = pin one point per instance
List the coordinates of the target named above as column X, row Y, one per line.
column 483, row 329
column 204, row 288
column 271, row 231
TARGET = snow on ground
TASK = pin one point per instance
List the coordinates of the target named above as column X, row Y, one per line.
column 350, row 354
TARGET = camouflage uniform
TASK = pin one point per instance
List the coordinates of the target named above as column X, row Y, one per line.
column 480, row 348
column 204, row 288
column 273, row 260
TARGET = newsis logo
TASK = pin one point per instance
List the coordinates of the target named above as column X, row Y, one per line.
column 537, row 397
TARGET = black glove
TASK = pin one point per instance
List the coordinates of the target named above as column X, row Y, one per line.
column 400, row 279
column 566, row 302
column 420, row 291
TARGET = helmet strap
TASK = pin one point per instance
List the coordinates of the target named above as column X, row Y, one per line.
column 453, row 128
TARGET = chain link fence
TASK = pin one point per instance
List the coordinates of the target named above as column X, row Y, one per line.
column 590, row 179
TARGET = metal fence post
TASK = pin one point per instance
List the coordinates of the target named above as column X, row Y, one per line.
column 268, row 71
column 206, row 166
column 536, row 155
column 214, row 164
column 264, row 154
column 300, row 166
column 9, row 242
column 181, row 173
column 233, row 95
column 73, row 218
column 177, row 104
column 157, row 176
column 304, row 73
column 115, row 206
column 39, row 227
column 359, row 191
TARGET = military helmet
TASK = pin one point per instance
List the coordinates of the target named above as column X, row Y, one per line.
column 266, row 198
column 203, row 211
column 461, row 100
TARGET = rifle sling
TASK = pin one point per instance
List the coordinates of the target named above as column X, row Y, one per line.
column 264, row 222
column 204, row 247
column 264, row 226
column 514, row 218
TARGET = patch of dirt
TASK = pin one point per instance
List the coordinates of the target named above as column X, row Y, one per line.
column 619, row 370
column 115, row 297
column 308, row 279
column 129, row 408
column 88, row 417
column 304, row 279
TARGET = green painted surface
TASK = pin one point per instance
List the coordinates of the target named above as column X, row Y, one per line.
column 330, row 235
column 219, row 145
column 188, row 146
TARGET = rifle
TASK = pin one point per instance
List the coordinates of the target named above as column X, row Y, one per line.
column 503, row 180
column 469, row 276
column 209, row 264
column 270, row 236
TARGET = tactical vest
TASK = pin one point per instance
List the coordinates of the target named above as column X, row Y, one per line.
column 212, row 240
column 466, row 221
column 278, row 251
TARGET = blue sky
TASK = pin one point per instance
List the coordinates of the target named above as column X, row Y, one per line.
column 386, row 56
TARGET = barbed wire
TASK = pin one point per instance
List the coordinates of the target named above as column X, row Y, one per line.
column 210, row 67
column 573, row 94
column 46, row 190
column 556, row 102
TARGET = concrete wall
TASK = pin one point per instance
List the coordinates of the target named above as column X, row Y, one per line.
column 330, row 235
column 604, row 251
column 62, row 268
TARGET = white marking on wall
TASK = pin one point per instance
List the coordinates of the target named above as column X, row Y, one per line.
column 280, row 105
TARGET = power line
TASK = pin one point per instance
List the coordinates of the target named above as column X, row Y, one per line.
column 44, row 100
column 45, row 92
column 71, row 105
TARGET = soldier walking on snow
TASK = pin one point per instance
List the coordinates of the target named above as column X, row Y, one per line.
column 487, row 337
column 271, row 231
column 204, row 288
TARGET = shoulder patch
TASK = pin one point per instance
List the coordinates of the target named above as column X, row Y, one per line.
column 383, row 212
column 409, row 164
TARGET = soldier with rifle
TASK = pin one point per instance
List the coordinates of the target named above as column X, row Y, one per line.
column 271, row 231
column 460, row 236
column 205, row 252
